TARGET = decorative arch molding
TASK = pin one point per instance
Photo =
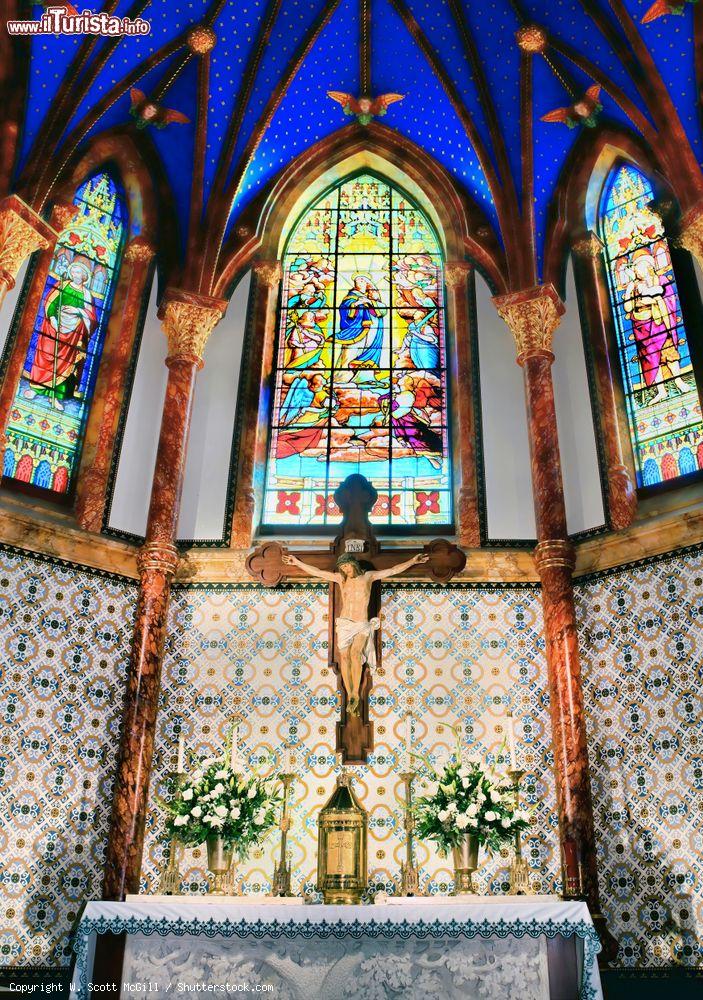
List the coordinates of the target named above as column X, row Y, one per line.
column 121, row 158
column 262, row 234
column 465, row 228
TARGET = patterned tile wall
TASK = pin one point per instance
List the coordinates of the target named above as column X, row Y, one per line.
column 64, row 635
column 459, row 655
column 642, row 646
column 452, row 655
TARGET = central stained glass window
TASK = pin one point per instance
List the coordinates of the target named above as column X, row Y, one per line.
column 360, row 377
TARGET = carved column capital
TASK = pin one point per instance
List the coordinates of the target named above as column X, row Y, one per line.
column 691, row 232
column 158, row 557
column 588, row 246
column 456, row 272
column 62, row 215
column 22, row 232
column 188, row 320
column 532, row 316
column 268, row 272
column 139, row 251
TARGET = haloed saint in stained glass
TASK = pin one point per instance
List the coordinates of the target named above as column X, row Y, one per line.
column 360, row 383
column 47, row 420
column 663, row 405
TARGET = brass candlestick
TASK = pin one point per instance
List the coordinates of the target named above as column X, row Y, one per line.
column 409, row 874
column 519, row 869
column 170, row 881
column 281, row 884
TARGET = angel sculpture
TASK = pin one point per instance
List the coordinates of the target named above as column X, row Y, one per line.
column 660, row 8
column 585, row 111
column 149, row 112
column 364, row 108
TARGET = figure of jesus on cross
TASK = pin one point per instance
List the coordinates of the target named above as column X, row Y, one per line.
column 354, row 629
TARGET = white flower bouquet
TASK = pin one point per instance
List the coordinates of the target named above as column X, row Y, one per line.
column 216, row 801
column 466, row 798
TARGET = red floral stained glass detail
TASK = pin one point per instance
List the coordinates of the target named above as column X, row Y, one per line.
column 427, row 503
column 288, row 503
column 326, row 505
column 60, row 484
column 670, row 469
column 386, row 505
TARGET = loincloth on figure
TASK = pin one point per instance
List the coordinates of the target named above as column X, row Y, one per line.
column 347, row 631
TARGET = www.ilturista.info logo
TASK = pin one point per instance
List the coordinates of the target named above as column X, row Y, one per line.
column 64, row 19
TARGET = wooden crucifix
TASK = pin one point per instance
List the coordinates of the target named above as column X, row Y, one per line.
column 355, row 602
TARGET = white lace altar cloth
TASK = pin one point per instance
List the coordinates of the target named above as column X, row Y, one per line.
column 190, row 950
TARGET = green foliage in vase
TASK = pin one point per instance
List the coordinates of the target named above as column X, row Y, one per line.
column 217, row 801
column 466, row 797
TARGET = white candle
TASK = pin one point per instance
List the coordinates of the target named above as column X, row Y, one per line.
column 181, row 765
column 510, row 732
column 234, row 753
column 287, row 763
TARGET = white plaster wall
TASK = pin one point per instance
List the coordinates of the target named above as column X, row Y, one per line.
column 9, row 306
column 505, row 443
column 577, row 436
column 130, row 501
column 204, row 498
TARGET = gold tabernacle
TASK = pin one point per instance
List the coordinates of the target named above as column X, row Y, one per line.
column 341, row 845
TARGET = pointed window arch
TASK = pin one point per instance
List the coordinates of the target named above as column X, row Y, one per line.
column 48, row 417
column 360, row 372
column 663, row 404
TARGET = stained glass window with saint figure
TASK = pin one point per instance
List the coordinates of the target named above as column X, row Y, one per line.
column 663, row 406
column 360, row 379
column 48, row 416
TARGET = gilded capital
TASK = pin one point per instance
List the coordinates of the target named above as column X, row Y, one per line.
column 188, row 320
column 139, row 251
column 455, row 273
column 268, row 272
column 691, row 233
column 22, row 232
column 588, row 246
column 532, row 316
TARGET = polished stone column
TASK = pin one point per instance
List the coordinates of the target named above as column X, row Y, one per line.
column 188, row 321
column 622, row 494
column 22, row 232
column 532, row 316
column 98, row 447
column 457, row 279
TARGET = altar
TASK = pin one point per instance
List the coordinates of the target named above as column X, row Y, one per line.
column 527, row 948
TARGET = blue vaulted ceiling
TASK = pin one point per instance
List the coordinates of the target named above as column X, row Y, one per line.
column 276, row 91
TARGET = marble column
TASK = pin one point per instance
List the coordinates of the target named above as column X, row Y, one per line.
column 532, row 316
column 22, row 232
column 188, row 321
column 457, row 278
column 622, row 494
column 98, row 447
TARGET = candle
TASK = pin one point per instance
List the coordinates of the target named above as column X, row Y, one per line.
column 510, row 732
column 234, row 753
column 181, row 765
column 287, row 763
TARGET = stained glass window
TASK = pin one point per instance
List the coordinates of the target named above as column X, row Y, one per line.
column 663, row 406
column 47, row 420
column 360, row 380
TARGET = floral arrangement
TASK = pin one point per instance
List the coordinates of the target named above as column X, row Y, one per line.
column 466, row 797
column 217, row 801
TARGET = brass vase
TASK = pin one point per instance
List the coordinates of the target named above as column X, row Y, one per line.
column 465, row 863
column 219, row 862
